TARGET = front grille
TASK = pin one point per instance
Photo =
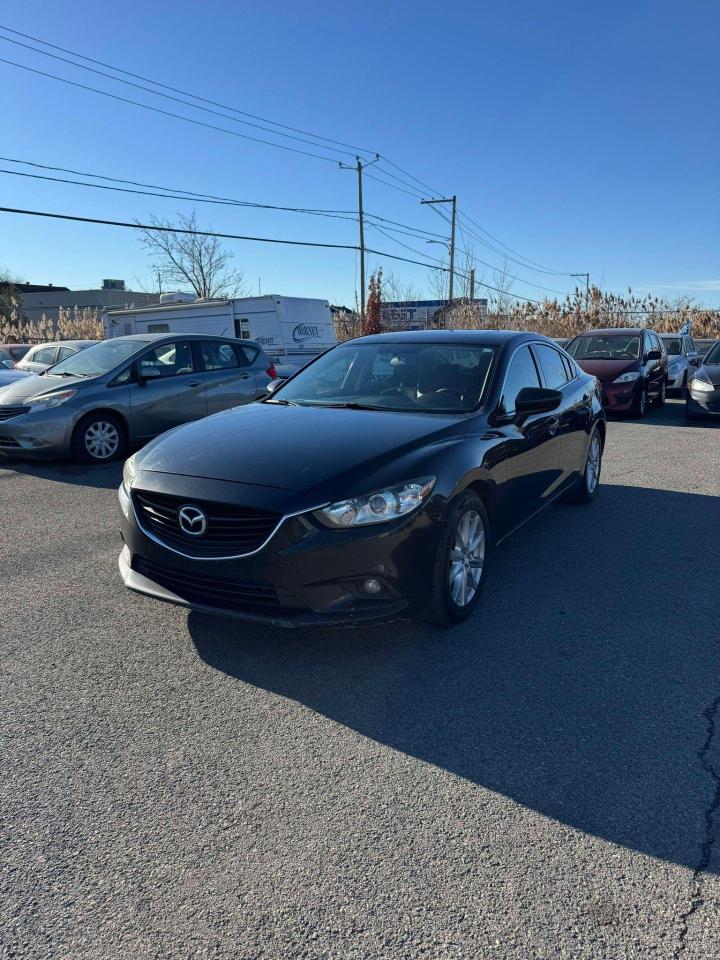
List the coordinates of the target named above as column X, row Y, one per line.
column 7, row 412
column 208, row 590
column 231, row 531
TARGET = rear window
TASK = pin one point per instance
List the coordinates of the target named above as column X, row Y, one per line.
column 218, row 356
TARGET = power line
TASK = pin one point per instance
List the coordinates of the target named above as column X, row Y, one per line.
column 167, row 113
column 184, row 93
column 209, row 233
column 167, row 96
column 175, row 196
column 528, row 264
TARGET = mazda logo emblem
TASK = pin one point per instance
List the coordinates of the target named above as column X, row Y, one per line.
column 192, row 521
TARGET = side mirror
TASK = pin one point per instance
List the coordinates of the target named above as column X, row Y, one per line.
column 273, row 385
column 537, row 400
column 653, row 355
column 694, row 361
column 147, row 373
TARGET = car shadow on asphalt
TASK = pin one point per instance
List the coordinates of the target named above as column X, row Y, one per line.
column 671, row 415
column 104, row 476
column 578, row 689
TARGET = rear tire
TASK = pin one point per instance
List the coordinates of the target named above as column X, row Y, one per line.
column 461, row 563
column 99, row 438
column 585, row 490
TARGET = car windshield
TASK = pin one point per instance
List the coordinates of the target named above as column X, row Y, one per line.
column 673, row 345
column 428, row 377
column 605, row 347
column 96, row 360
column 713, row 355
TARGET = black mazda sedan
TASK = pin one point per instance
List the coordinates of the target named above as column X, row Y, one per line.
column 373, row 482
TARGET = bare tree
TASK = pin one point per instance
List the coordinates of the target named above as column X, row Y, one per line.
column 394, row 290
column 501, row 298
column 438, row 281
column 189, row 259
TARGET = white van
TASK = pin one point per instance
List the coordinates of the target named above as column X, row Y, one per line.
column 291, row 330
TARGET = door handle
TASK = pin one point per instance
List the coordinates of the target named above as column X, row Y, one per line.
column 193, row 383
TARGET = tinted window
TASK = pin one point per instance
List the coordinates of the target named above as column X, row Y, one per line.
column 521, row 373
column 170, row 359
column 713, row 355
column 401, row 375
column 64, row 352
column 218, row 356
column 553, row 368
column 45, row 355
column 249, row 353
column 673, row 345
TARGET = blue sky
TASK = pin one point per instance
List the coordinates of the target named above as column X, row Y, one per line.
column 583, row 136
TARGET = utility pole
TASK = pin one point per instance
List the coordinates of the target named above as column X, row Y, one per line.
column 360, row 166
column 453, row 201
column 471, row 285
column 587, row 287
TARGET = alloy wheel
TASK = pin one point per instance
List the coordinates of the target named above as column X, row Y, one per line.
column 467, row 558
column 102, row 440
column 592, row 469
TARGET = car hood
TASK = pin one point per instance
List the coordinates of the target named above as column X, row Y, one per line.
column 295, row 448
column 606, row 370
column 711, row 370
column 10, row 376
column 31, row 385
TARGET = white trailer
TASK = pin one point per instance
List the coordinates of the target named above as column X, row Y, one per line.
column 291, row 330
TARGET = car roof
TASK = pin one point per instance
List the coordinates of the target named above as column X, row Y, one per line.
column 611, row 331
column 64, row 343
column 172, row 337
column 488, row 338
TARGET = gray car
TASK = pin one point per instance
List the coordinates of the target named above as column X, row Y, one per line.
column 127, row 390
column 44, row 355
column 682, row 359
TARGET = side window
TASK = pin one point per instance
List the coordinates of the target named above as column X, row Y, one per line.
column 158, row 328
column 65, row 352
column 218, row 356
column 171, row 359
column 691, row 348
column 570, row 368
column 45, row 355
column 553, row 368
column 521, row 373
column 248, row 355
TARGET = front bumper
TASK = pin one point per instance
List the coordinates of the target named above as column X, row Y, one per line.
column 39, row 435
column 304, row 575
column 676, row 382
column 703, row 404
column 620, row 397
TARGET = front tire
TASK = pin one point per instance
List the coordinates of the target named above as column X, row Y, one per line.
column 460, row 562
column 639, row 407
column 660, row 399
column 99, row 438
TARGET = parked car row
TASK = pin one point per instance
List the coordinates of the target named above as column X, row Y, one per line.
column 636, row 368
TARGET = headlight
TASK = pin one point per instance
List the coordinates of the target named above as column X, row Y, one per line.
column 627, row 378
column 377, row 507
column 46, row 401
column 129, row 473
column 701, row 382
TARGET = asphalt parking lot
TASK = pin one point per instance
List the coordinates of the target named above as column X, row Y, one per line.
column 542, row 782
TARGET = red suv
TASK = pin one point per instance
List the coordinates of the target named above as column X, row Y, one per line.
column 631, row 365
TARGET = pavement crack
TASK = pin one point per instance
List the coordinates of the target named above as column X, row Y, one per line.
column 697, row 899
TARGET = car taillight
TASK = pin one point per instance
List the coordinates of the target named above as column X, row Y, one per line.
column 271, row 372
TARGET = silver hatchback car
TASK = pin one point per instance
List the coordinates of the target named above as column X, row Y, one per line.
column 127, row 390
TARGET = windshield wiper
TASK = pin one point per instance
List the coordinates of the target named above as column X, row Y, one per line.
column 351, row 405
column 283, row 403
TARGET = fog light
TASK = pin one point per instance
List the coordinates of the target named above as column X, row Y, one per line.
column 372, row 587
